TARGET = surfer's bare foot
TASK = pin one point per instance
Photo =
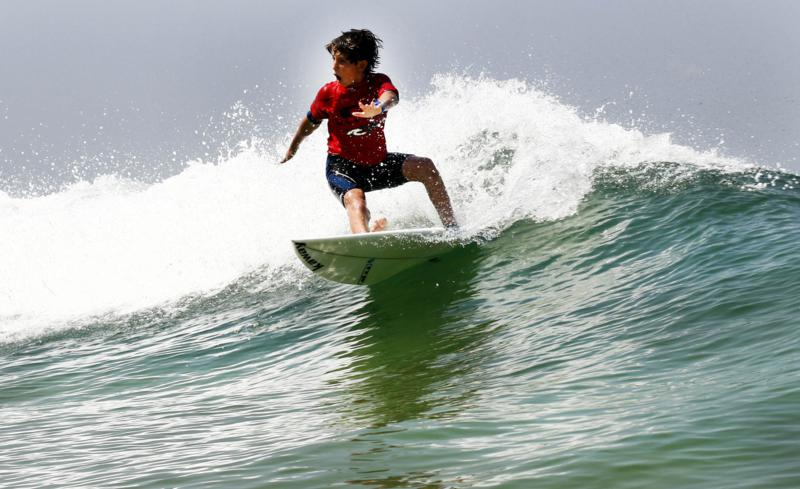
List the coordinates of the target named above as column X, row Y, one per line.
column 379, row 225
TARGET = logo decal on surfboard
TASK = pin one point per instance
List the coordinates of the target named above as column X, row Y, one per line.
column 313, row 264
column 366, row 270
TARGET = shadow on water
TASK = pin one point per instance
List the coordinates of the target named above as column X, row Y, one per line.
column 403, row 361
column 412, row 358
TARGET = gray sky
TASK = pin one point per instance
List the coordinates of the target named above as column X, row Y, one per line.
column 99, row 77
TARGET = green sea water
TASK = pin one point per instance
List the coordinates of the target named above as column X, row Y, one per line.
column 648, row 339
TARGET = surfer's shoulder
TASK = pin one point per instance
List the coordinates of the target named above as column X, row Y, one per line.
column 329, row 87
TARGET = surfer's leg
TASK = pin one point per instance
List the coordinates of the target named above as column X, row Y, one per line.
column 420, row 169
column 349, row 182
column 355, row 202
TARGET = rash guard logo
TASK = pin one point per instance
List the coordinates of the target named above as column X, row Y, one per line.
column 359, row 131
column 363, row 130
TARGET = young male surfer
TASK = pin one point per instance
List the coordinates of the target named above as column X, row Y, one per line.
column 355, row 106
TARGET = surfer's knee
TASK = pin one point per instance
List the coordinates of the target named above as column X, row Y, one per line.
column 420, row 169
column 355, row 198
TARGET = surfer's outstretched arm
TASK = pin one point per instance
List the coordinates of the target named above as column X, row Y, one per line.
column 305, row 128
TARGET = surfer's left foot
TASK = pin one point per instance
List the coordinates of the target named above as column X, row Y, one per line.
column 379, row 225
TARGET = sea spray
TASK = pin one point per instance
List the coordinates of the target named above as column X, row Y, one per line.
column 507, row 152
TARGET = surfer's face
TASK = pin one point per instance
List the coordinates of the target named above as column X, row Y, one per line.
column 346, row 72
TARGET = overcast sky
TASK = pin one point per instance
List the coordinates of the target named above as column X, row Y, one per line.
column 85, row 77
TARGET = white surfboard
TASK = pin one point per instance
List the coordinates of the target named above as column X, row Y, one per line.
column 368, row 258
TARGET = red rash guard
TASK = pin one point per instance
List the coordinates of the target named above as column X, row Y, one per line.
column 353, row 138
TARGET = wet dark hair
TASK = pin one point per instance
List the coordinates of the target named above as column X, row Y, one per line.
column 356, row 45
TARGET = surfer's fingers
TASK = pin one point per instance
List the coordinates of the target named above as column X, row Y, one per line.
column 289, row 155
column 367, row 111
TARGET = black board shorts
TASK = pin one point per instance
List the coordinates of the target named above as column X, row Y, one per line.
column 344, row 175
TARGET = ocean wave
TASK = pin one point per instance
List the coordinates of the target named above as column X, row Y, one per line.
column 508, row 151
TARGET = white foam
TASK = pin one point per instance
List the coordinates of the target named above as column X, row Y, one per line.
column 509, row 151
column 506, row 151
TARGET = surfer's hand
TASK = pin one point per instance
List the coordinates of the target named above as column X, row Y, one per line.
column 368, row 111
column 289, row 154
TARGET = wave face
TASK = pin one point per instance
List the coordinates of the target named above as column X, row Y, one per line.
column 622, row 314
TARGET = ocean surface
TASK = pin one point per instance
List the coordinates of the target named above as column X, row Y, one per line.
column 621, row 312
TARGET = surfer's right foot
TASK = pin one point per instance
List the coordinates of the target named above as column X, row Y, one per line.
column 379, row 225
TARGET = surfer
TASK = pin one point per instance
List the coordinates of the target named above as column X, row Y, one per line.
column 355, row 106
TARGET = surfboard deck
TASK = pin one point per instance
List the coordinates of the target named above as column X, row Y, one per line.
column 368, row 258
